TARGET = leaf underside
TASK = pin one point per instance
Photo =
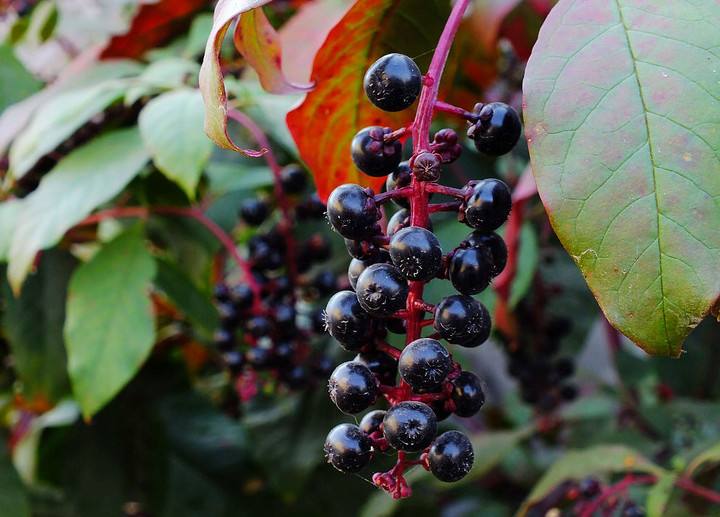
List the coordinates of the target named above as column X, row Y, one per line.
column 623, row 123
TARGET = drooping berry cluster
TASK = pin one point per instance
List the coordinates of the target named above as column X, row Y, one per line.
column 389, row 269
column 275, row 319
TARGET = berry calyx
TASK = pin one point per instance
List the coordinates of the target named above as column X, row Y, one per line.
column 372, row 155
column 467, row 394
column 352, row 211
column 416, row 252
column 382, row 290
column 393, row 82
column 497, row 129
column 462, row 320
column 347, row 448
column 424, row 364
column 487, row 205
column 352, row 387
column 451, row 456
column 426, row 166
column 409, row 426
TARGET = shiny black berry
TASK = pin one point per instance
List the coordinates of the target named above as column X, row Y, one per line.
column 451, row 456
column 382, row 290
column 361, row 249
column 398, row 179
column 410, row 426
column 372, row 155
column 424, row 364
column 487, row 205
column 393, row 82
column 242, row 296
column 372, row 421
column 470, row 270
column 416, row 252
column 356, row 266
column 497, row 130
column 352, row 211
column 352, row 387
column 254, row 211
column 347, row 448
column 293, row 179
column 462, row 320
column 347, row 321
column 399, row 220
column 493, row 242
column 381, row 364
column 467, row 394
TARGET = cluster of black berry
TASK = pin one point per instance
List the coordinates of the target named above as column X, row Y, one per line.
column 588, row 496
column 387, row 274
column 543, row 376
column 278, row 325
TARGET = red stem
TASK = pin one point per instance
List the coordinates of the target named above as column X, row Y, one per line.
column 618, row 488
column 454, row 110
column 690, row 486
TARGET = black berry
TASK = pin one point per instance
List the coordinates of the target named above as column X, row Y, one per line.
column 494, row 243
column 347, row 448
column 424, row 364
column 497, row 130
column 487, row 205
column 293, row 179
column 467, row 394
column 352, row 211
column 398, row 179
column 416, row 252
column 372, row 155
column 382, row 365
column 393, row 82
column 254, row 211
column 352, row 387
column 372, row 421
column 410, row 426
column 462, row 320
column 451, row 456
column 347, row 321
column 382, row 290
column 470, row 270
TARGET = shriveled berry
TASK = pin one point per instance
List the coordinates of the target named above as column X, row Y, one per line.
column 451, row 456
column 381, row 364
column 347, row 448
column 352, row 211
column 487, row 205
column 398, row 179
column 445, row 144
column 372, row 155
column 347, row 321
column 462, row 320
column 382, row 290
column 470, row 270
column 372, row 421
column 497, row 130
column 424, row 364
column 467, row 394
column 416, row 252
column 426, row 166
column 293, row 179
column 493, row 242
column 392, row 83
column 254, row 211
column 410, row 426
column 352, row 387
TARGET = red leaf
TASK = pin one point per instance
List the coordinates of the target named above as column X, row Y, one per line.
column 324, row 124
column 154, row 25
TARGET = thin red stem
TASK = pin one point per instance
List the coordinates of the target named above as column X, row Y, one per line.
column 617, row 489
column 451, row 206
column 691, row 487
column 454, row 110
column 436, row 188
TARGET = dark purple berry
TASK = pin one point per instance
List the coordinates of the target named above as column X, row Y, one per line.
column 221, row 293
column 467, row 394
column 589, row 488
column 356, row 266
column 382, row 365
column 410, row 426
column 487, row 205
column 426, row 166
column 393, row 82
column 352, row 387
column 260, row 357
column 284, row 351
column 242, row 296
column 347, row 321
column 347, row 448
column 293, row 179
column 451, row 456
column 295, row 377
column 259, row 326
column 352, row 211
column 234, row 361
column 312, row 208
column 229, row 316
column 361, row 250
column 398, row 179
column 372, row 421
column 224, row 339
column 398, row 221
column 424, row 364
column 497, row 129
column 325, row 282
column 493, row 242
column 382, row 290
column 254, row 211
column 462, row 320
column 470, row 270
column 416, row 252
column 372, row 155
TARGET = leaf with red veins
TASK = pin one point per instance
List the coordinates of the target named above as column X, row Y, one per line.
column 259, row 44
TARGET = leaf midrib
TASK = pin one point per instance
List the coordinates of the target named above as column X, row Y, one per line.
column 636, row 74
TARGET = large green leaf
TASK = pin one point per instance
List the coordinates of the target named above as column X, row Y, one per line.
column 596, row 460
column 16, row 82
column 88, row 177
column 33, row 324
column 110, row 326
column 172, row 129
column 622, row 108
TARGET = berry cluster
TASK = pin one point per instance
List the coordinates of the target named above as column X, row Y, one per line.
column 274, row 317
column 588, row 496
column 387, row 274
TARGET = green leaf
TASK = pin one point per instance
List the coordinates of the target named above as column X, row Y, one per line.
column 9, row 211
column 187, row 297
column 33, row 325
column 16, row 82
column 58, row 119
column 626, row 167
column 165, row 74
column 198, row 35
column 578, row 464
column 659, row 495
column 227, row 177
column 110, row 326
column 78, row 184
column 171, row 126
column 14, row 501
column 528, row 256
